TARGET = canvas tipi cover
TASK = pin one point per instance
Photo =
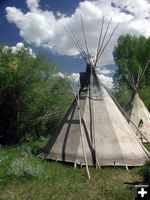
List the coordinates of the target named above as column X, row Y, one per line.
column 140, row 116
column 93, row 131
column 103, row 136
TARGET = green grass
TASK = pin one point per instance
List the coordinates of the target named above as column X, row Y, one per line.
column 62, row 182
column 147, row 146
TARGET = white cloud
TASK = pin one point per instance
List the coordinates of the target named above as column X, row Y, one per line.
column 17, row 48
column 105, row 74
column 105, row 70
column 44, row 28
column 106, row 80
column 33, row 4
column 74, row 79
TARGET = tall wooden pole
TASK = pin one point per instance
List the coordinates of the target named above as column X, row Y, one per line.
column 82, row 140
column 92, row 109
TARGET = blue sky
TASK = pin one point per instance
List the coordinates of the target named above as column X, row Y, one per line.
column 9, row 33
column 41, row 24
column 64, row 6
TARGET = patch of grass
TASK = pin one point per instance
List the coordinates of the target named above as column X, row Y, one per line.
column 62, row 181
column 147, row 146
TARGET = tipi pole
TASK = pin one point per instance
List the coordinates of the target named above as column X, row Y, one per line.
column 85, row 40
column 93, row 129
column 75, row 165
column 82, row 140
column 147, row 64
column 81, row 113
column 81, row 132
column 99, row 40
column 103, row 49
column 127, row 167
column 92, row 110
column 103, row 39
column 76, row 42
column 139, row 75
column 83, row 146
column 130, row 79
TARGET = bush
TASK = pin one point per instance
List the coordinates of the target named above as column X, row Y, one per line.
column 2, row 158
column 146, row 172
column 32, row 99
column 22, row 167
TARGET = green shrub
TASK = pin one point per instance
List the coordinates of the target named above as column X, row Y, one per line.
column 146, row 172
column 32, row 99
column 3, row 158
column 23, row 167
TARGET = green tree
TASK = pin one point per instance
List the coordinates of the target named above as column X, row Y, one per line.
column 32, row 98
column 132, row 54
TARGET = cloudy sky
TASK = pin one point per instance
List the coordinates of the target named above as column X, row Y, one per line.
column 41, row 23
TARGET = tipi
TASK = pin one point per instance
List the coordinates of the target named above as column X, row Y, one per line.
column 93, row 131
column 138, row 113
